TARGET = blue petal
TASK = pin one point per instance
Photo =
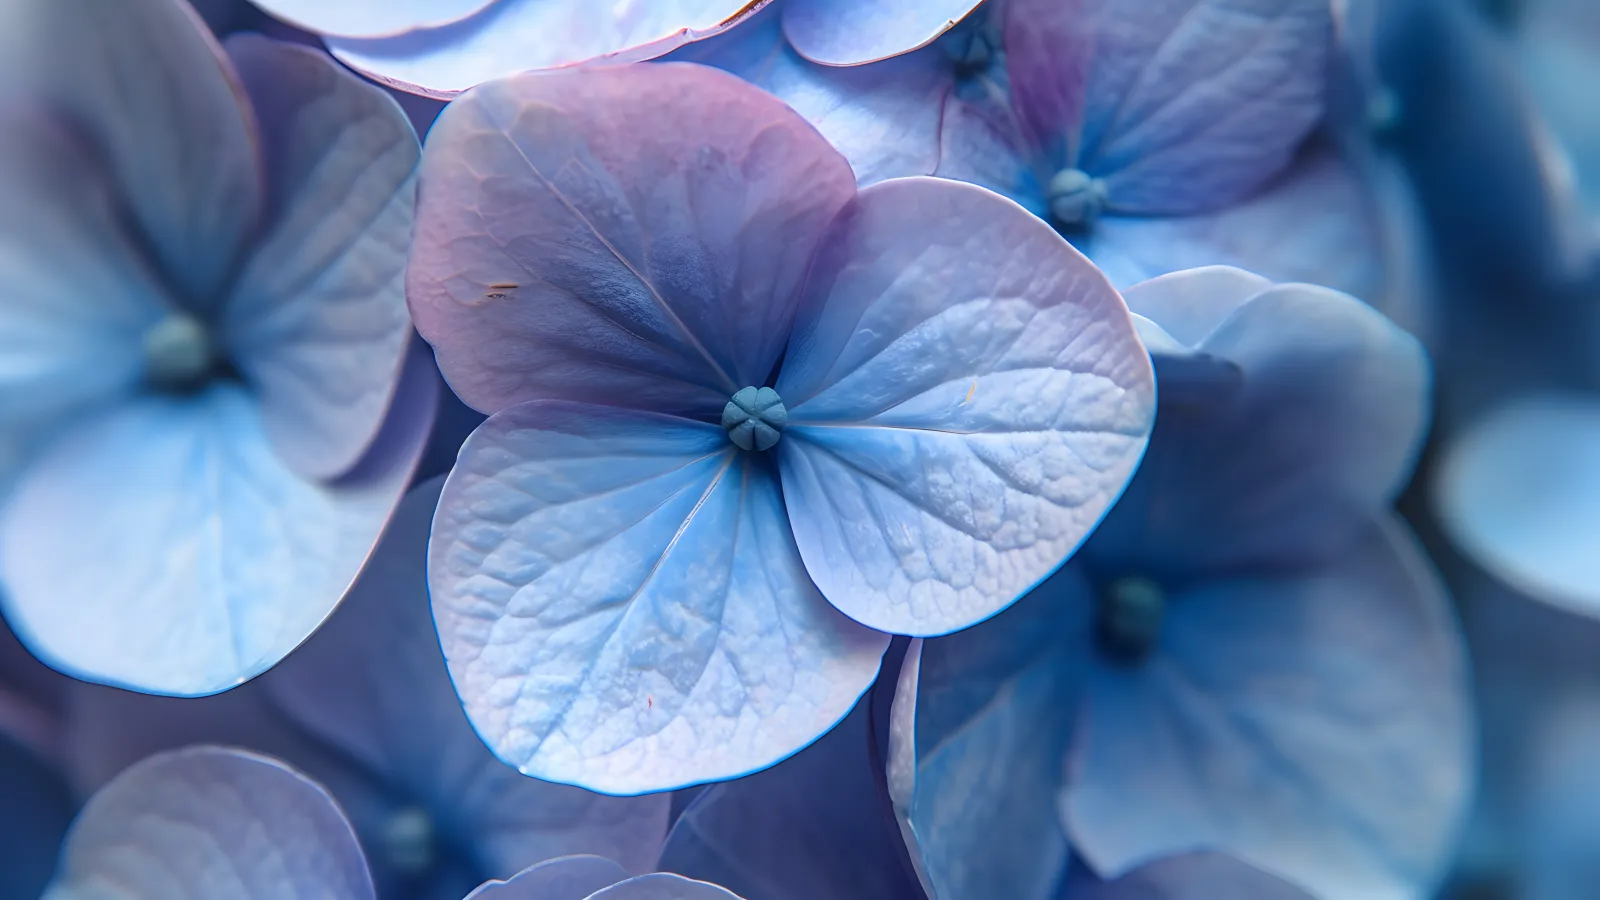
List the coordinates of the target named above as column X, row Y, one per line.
column 632, row 234
column 663, row 886
column 852, row 32
column 211, row 564
column 967, row 398
column 372, row 682
column 151, row 94
column 1314, row 723
column 1556, row 820
column 566, row 878
column 978, row 736
column 271, row 834
column 1320, row 433
column 1195, row 876
column 1555, row 48
column 623, row 607
column 816, row 825
column 317, row 322
column 512, row 36
column 35, row 809
column 370, row 18
column 1518, row 493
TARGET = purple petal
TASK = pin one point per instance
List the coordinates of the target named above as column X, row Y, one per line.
column 633, row 235
column 852, row 32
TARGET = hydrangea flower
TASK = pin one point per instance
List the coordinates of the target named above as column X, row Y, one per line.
column 1250, row 655
column 853, row 32
column 744, row 420
column 206, row 384
column 443, row 47
column 366, row 707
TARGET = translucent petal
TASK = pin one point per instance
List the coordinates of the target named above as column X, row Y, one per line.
column 967, row 398
column 852, row 32
column 663, row 886
column 512, row 36
column 1186, row 107
column 1193, row 876
column 211, row 565
column 317, row 322
column 370, row 18
column 1315, row 723
column 1518, row 492
column 617, row 235
column 372, row 682
column 623, row 607
column 271, row 834
column 565, row 878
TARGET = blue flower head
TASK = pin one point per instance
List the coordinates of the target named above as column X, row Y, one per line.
column 745, row 421
column 1249, row 655
column 207, row 404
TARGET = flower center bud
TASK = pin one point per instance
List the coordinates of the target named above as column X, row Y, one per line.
column 1076, row 199
column 178, row 353
column 1128, row 620
column 755, row 418
column 408, row 841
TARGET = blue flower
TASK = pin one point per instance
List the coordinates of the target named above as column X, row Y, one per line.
column 1250, row 654
column 367, row 708
column 645, row 274
column 207, row 398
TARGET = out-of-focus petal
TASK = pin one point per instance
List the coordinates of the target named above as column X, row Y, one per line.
column 1316, row 724
column 224, row 822
column 512, row 36
column 852, row 32
column 317, row 322
column 35, row 809
column 1519, row 492
column 152, row 96
column 978, row 737
column 663, row 886
column 627, row 235
column 816, row 825
column 1556, row 821
column 373, row 683
column 967, row 397
column 566, row 878
column 622, row 605
column 1193, row 876
column 1184, row 106
column 1318, row 434
column 370, row 18
column 210, row 565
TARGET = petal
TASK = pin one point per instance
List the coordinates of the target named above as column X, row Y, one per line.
column 152, row 95
column 1518, row 492
column 622, row 605
column 852, row 32
column 372, row 682
column 1318, row 434
column 1188, row 106
column 32, row 698
column 566, row 878
column 967, row 398
column 1555, row 821
column 211, row 565
column 512, row 36
column 317, row 322
column 1316, row 724
column 617, row 235
column 1189, row 305
column 978, row 734
column 1194, row 876
column 663, row 886
column 35, row 809
column 272, row 834
column 816, row 825
column 370, row 18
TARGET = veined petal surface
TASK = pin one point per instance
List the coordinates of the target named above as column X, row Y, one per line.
column 622, row 605
column 625, row 235
column 852, row 32
column 317, row 322
column 207, row 822
column 967, row 398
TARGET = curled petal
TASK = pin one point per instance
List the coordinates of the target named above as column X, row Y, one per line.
column 563, row 878
column 852, row 32
column 370, row 18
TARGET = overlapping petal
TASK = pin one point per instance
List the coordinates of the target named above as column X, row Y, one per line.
column 852, row 32
column 317, row 322
column 1314, row 723
column 626, row 235
column 510, row 36
column 566, row 878
column 622, row 605
column 214, row 562
column 967, row 398
column 371, row 18
column 208, row 822
column 663, row 886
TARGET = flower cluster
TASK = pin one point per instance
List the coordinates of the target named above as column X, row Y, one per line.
column 791, row 449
